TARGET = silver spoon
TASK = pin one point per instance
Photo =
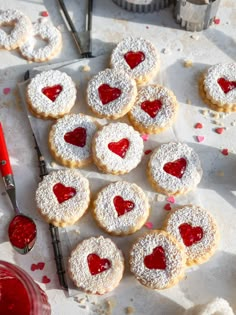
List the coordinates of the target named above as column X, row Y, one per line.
column 22, row 230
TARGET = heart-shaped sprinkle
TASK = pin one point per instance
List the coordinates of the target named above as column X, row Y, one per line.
column 97, row 265
column 120, row 147
column 122, row 206
column 176, row 168
column 41, row 265
column 198, row 125
column 170, row 199
column 156, row 260
column 167, row 207
column 216, row 21
column 76, row 137
column 63, row 193
column 34, row 267
column 149, row 225
column 44, row 13
column 147, row 152
column 225, row 152
column 37, row 266
column 6, row 91
column 145, row 137
column 219, row 130
column 45, row 280
column 226, row 85
column 151, row 107
column 52, row 92
column 108, row 94
column 133, row 58
column 189, row 234
column 200, row 138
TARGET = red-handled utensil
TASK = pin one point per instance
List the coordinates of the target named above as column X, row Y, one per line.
column 22, row 229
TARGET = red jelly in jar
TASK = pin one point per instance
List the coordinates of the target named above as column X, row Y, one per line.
column 19, row 294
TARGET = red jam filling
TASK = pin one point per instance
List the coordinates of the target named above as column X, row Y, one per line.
column 226, row 85
column 189, row 234
column 120, row 148
column 133, row 58
column 76, row 137
column 151, row 107
column 63, row 193
column 52, row 92
column 176, row 168
column 22, row 231
column 122, row 206
column 157, row 259
column 108, row 94
column 97, row 265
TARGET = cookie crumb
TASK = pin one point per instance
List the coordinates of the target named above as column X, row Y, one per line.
column 129, row 310
column 53, row 164
column 220, row 173
column 166, row 51
column 85, row 68
column 205, row 112
column 233, row 123
column 195, row 36
column 188, row 64
column 160, row 197
column 215, row 115
column 188, row 101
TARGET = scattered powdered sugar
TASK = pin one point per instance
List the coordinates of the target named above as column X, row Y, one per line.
column 22, row 27
column 64, row 101
column 196, row 217
column 156, row 278
column 212, row 87
column 115, row 79
column 67, row 124
column 166, row 113
column 79, row 270
column 107, row 215
column 47, row 32
column 70, row 209
column 114, row 132
column 170, row 152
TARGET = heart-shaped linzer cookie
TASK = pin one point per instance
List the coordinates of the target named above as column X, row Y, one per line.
column 120, row 148
column 151, row 107
column 134, row 58
column 157, row 259
column 189, row 234
column 97, row 265
column 176, row 168
column 76, row 137
column 226, row 85
column 52, row 92
column 108, row 94
column 122, row 206
column 63, row 193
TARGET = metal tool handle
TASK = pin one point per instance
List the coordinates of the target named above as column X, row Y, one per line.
column 5, row 165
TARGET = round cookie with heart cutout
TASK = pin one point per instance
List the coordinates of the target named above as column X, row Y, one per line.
column 51, row 94
column 121, row 208
column 196, row 229
column 111, row 94
column 117, row 148
column 70, row 140
column 174, row 168
column 96, row 265
column 157, row 260
column 217, row 86
column 154, row 110
column 136, row 56
column 62, row 197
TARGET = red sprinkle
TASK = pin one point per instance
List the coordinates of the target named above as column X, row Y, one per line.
column 145, row 137
column 167, row 207
column 149, row 225
column 217, row 21
column 34, row 267
column 45, row 279
column 41, row 265
column 198, row 126
column 171, row 199
column 219, row 130
column 147, row 152
column 225, row 152
column 6, row 91
column 44, row 13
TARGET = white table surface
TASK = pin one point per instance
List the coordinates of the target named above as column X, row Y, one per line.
column 217, row 189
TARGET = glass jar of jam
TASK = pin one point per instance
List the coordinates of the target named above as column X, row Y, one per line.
column 19, row 294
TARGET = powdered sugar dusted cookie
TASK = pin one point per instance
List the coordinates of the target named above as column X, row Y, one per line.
column 96, row 265
column 196, row 229
column 154, row 110
column 117, row 148
column 121, row 208
column 111, row 93
column 174, row 168
column 21, row 28
column 46, row 31
column 214, row 307
column 51, row 94
column 70, row 140
column 63, row 197
column 138, row 57
column 157, row 260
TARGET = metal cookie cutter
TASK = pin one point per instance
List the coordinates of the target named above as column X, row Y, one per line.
column 143, row 6
column 196, row 15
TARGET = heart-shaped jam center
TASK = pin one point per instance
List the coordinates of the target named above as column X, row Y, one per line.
column 108, row 94
column 226, row 85
column 151, row 107
column 189, row 234
column 176, row 168
column 63, row 193
column 76, row 137
column 122, row 206
column 97, row 265
column 120, row 148
column 156, row 260
column 52, row 92
column 134, row 58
